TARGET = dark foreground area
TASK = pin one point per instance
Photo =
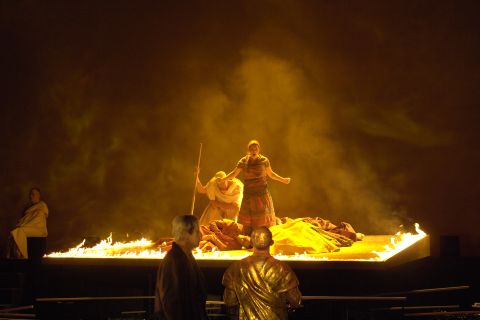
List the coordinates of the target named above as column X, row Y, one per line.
column 427, row 288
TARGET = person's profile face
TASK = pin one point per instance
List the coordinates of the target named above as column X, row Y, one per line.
column 34, row 196
column 195, row 237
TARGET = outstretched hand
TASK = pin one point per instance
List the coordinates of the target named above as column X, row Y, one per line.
column 287, row 180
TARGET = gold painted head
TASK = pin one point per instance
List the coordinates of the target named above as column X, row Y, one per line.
column 261, row 238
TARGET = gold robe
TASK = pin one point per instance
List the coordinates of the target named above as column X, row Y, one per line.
column 260, row 284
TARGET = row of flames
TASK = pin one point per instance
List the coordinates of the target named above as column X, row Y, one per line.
column 142, row 249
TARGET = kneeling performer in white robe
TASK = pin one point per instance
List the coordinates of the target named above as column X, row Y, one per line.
column 225, row 198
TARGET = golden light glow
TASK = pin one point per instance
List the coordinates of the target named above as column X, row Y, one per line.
column 400, row 242
column 146, row 249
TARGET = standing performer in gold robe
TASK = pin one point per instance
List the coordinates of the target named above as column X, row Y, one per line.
column 257, row 205
column 32, row 224
column 260, row 287
column 225, row 198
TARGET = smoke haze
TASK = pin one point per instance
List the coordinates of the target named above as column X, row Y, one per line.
column 371, row 110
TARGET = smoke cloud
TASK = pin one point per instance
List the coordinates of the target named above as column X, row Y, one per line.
column 107, row 105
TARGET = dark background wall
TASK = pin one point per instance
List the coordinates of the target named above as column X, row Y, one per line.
column 371, row 108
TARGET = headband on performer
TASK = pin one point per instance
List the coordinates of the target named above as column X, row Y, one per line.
column 252, row 143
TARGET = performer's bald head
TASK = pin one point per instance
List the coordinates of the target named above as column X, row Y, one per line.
column 261, row 238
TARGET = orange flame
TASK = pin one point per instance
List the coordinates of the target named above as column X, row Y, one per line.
column 146, row 249
column 400, row 242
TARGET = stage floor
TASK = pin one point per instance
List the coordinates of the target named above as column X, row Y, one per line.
column 373, row 252
column 360, row 250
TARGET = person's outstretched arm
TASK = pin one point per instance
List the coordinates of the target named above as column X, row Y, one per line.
column 275, row 176
column 294, row 297
column 200, row 188
column 233, row 174
column 231, row 303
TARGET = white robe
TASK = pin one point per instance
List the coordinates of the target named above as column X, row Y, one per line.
column 32, row 224
column 233, row 194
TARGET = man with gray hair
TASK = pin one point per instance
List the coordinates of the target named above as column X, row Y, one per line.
column 260, row 286
column 181, row 289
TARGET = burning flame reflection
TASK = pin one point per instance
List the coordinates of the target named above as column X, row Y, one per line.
column 146, row 249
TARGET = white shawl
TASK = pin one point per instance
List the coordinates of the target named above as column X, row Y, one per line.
column 234, row 193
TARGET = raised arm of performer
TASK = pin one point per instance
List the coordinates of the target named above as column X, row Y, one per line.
column 203, row 189
column 233, row 174
column 200, row 187
column 275, row 176
column 253, row 153
column 257, row 205
column 269, row 171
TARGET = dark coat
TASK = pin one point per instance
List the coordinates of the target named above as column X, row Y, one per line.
column 180, row 290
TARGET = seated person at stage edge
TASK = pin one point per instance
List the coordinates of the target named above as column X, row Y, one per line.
column 260, row 286
column 225, row 198
column 180, row 292
column 32, row 224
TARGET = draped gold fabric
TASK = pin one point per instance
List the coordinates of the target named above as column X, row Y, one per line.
column 260, row 285
column 303, row 236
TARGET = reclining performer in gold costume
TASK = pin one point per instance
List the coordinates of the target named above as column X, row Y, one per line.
column 260, row 286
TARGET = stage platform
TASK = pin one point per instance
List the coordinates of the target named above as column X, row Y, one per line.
column 326, row 273
column 370, row 253
column 57, row 283
column 350, row 271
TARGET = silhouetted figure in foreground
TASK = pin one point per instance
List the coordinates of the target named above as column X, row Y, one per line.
column 180, row 292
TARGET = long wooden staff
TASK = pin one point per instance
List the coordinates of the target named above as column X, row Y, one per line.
column 196, row 177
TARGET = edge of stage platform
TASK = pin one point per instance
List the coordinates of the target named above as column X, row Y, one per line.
column 418, row 250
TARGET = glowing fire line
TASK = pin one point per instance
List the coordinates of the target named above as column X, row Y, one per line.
column 400, row 242
column 143, row 249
